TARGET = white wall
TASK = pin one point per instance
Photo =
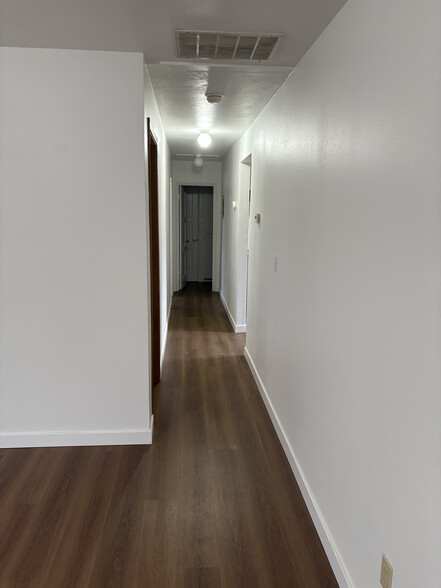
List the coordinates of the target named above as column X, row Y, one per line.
column 164, row 206
column 210, row 174
column 344, row 339
column 73, row 313
column 235, row 227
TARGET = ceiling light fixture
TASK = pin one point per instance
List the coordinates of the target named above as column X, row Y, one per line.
column 204, row 139
column 198, row 161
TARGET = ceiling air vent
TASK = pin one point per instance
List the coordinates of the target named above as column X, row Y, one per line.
column 225, row 46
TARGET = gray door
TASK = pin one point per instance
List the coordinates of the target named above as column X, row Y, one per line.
column 198, row 233
column 191, row 218
column 183, row 256
column 205, row 211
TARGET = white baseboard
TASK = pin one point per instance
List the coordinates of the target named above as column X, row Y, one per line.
column 77, row 438
column 328, row 543
column 236, row 328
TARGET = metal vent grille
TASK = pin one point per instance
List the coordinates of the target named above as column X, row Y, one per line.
column 225, row 46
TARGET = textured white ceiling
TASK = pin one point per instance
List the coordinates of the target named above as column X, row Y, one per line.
column 180, row 91
column 147, row 26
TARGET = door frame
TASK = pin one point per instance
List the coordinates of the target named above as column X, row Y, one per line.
column 155, row 310
column 217, row 220
column 245, row 182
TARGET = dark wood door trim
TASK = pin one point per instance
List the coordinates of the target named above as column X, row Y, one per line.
column 152, row 154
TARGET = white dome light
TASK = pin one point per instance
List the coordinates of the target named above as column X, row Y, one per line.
column 198, row 161
column 204, row 139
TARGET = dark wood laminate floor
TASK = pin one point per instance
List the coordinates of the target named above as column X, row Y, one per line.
column 212, row 503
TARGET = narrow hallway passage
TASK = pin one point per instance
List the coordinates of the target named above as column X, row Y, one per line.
column 211, row 504
column 229, row 512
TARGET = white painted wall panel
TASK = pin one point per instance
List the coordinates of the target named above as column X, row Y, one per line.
column 345, row 337
column 237, row 223
column 73, row 312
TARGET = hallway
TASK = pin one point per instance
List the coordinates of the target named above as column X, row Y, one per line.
column 326, row 183
column 229, row 512
column 212, row 503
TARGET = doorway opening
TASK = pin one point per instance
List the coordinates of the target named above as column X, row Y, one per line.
column 152, row 155
column 244, row 242
column 196, row 234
